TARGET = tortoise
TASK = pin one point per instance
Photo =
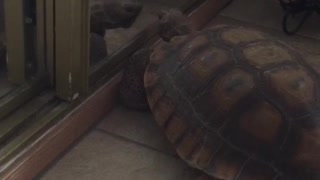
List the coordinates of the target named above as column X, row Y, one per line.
column 235, row 103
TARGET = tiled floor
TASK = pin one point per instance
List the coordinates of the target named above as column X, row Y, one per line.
column 128, row 145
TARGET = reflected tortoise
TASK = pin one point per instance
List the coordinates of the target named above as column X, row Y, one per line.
column 234, row 102
column 109, row 14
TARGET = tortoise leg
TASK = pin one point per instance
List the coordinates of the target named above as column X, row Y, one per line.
column 132, row 92
column 98, row 48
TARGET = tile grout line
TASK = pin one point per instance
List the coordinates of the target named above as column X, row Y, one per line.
column 122, row 138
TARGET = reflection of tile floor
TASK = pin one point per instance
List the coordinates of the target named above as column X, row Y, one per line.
column 128, row 145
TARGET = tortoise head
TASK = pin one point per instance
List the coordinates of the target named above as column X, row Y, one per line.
column 111, row 14
column 173, row 23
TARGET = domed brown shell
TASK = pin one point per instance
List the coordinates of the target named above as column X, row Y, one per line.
column 238, row 104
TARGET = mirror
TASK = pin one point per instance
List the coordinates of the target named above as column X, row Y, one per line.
column 115, row 23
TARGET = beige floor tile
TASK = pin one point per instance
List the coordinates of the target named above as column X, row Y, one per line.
column 102, row 157
column 137, row 126
column 268, row 13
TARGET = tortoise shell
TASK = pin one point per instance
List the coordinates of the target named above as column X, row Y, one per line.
column 238, row 104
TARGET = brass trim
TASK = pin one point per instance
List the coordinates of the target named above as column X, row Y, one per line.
column 71, row 48
column 40, row 38
column 15, row 40
column 50, row 41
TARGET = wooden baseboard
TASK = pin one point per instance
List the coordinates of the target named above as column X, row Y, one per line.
column 60, row 137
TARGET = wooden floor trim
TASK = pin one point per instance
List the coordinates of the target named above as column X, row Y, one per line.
column 59, row 138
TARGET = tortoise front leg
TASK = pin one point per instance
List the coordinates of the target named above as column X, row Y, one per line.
column 98, row 48
column 132, row 92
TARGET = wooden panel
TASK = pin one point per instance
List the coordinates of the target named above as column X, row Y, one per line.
column 32, row 126
column 62, row 135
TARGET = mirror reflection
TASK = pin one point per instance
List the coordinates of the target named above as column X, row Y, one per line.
column 113, row 23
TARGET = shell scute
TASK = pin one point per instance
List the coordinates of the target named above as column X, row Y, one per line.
column 236, row 36
column 265, row 53
column 293, row 86
column 231, row 88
